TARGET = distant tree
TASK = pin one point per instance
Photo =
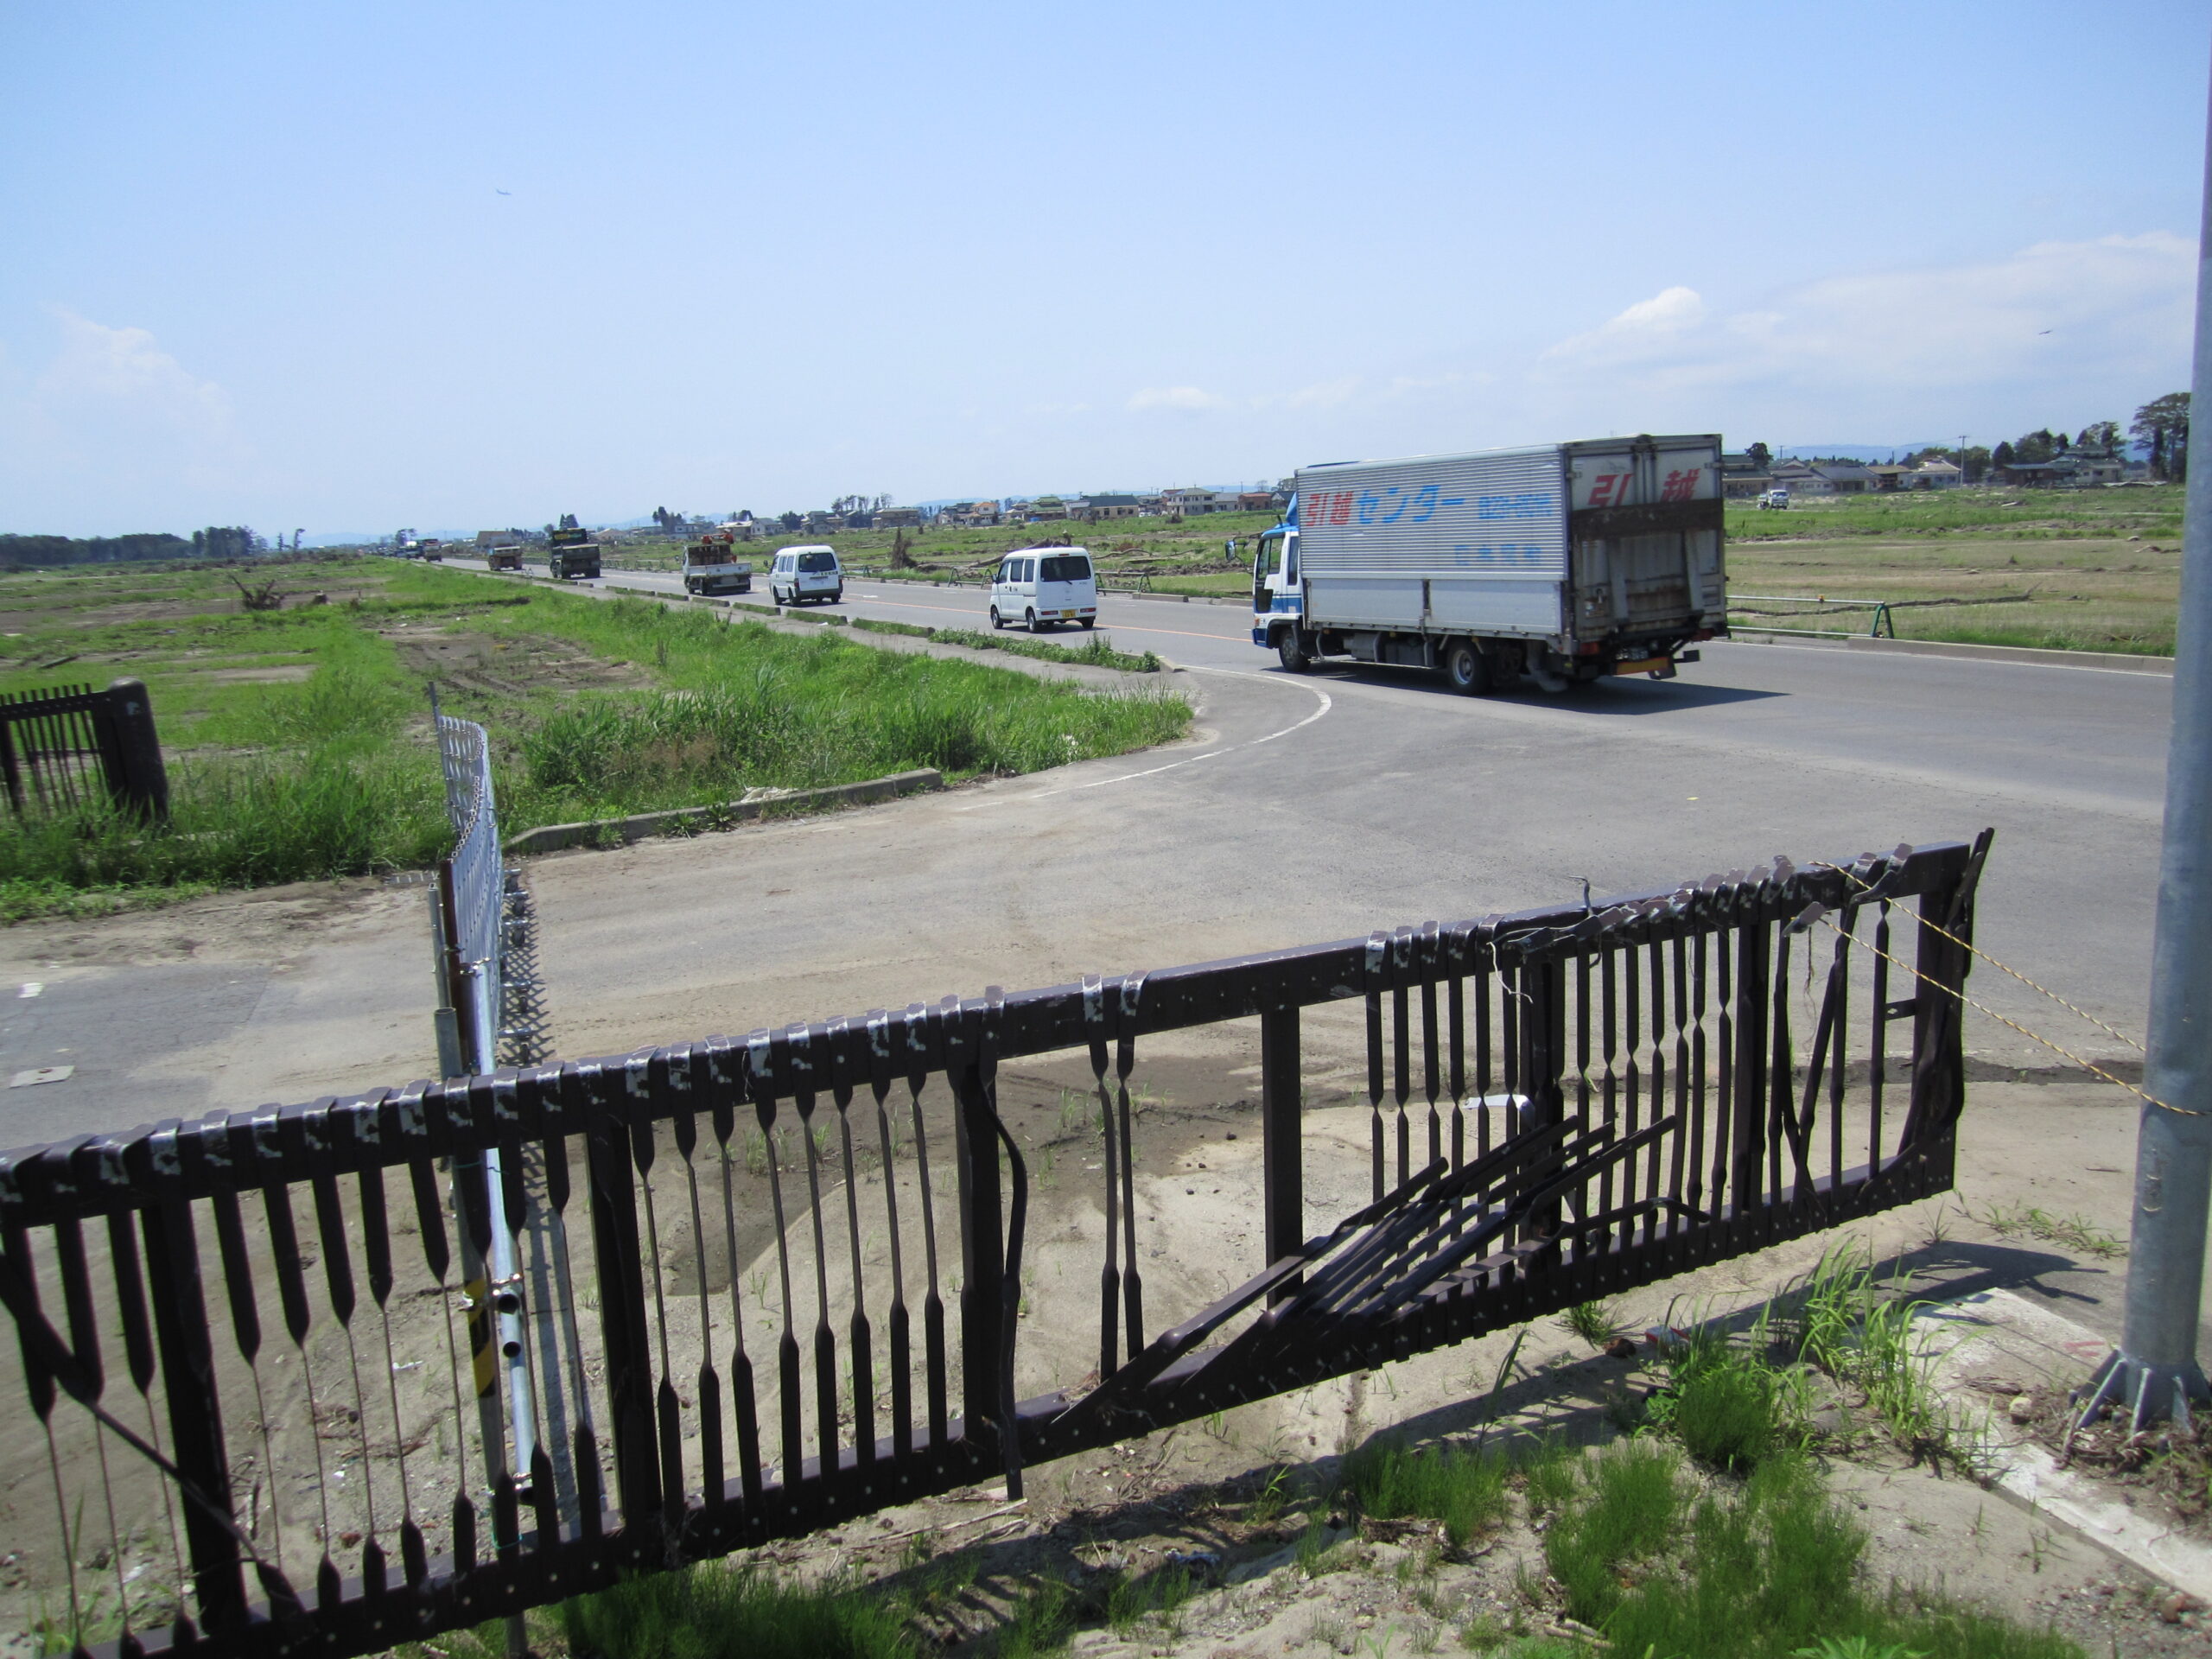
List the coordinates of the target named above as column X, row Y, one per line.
column 2163, row 424
column 2033, row 447
column 2099, row 436
column 790, row 521
column 2003, row 455
column 569, row 522
column 1974, row 462
column 1761, row 456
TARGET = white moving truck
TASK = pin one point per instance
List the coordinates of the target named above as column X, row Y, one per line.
column 1567, row 562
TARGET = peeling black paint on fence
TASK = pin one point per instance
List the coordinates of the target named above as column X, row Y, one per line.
column 1561, row 1105
column 64, row 748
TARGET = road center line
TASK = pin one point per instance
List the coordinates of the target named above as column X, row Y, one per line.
column 1326, row 702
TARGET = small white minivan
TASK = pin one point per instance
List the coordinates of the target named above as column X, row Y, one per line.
column 801, row 574
column 1044, row 586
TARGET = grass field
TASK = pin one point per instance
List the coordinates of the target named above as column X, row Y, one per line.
column 2086, row 570
column 299, row 744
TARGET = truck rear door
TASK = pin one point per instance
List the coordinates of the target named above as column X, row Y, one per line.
column 1644, row 539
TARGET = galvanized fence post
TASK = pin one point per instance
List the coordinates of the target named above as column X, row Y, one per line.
column 2156, row 1371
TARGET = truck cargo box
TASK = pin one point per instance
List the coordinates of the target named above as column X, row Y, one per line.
column 1569, row 559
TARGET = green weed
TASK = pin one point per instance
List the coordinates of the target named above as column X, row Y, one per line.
column 1597, row 1323
column 1464, row 1488
column 2075, row 1232
column 715, row 1612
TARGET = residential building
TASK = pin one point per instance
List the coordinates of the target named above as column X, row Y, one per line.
column 1846, row 477
column 2076, row 469
column 898, row 517
column 1190, row 502
column 1255, row 500
column 1936, row 474
column 1093, row 508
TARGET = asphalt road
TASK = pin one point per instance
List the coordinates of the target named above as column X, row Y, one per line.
column 1302, row 807
column 1305, row 808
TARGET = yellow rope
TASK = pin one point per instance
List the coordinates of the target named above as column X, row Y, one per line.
column 2110, row 1031
column 2090, row 1067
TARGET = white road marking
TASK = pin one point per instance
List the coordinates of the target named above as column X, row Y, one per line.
column 1326, row 702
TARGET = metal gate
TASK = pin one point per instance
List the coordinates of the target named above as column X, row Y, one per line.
column 789, row 1316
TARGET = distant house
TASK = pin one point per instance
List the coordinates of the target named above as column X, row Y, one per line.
column 1255, row 500
column 1047, row 509
column 2077, row 469
column 971, row 514
column 1800, row 479
column 1191, row 502
column 1890, row 478
column 1846, row 477
column 1936, row 475
column 1091, row 509
column 898, row 517
column 1742, row 478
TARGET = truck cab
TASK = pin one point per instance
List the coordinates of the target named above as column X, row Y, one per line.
column 570, row 554
column 1278, row 600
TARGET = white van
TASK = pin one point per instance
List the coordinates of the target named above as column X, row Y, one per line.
column 1045, row 586
column 801, row 574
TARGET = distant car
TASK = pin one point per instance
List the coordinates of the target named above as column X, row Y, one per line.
column 1045, row 586
column 1774, row 499
column 801, row 574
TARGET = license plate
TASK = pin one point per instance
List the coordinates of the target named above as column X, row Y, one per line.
column 1643, row 665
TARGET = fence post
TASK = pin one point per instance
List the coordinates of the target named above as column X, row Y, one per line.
column 982, row 1240
column 1748, row 1135
column 195, row 1416
column 1543, row 1048
column 137, row 776
column 1282, row 1141
column 618, row 1263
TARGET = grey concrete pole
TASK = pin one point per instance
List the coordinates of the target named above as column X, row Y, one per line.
column 2155, row 1374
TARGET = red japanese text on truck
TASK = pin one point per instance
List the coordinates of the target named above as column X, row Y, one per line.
column 1566, row 562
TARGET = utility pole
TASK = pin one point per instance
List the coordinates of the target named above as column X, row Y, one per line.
column 2155, row 1374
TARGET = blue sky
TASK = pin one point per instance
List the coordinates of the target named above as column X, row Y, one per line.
column 259, row 268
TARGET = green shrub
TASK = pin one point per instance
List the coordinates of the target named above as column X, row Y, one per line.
column 713, row 1611
column 1464, row 1488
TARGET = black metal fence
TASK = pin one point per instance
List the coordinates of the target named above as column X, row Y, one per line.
column 779, row 1314
column 66, row 746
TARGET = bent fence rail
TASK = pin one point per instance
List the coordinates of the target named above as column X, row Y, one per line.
column 792, row 1319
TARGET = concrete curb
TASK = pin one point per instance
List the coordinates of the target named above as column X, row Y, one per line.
column 2111, row 662
column 1995, row 1328
column 552, row 837
column 1191, row 599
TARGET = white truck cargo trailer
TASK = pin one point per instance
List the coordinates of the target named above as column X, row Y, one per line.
column 1567, row 562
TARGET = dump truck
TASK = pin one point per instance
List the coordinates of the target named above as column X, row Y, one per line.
column 571, row 556
column 432, row 549
column 709, row 566
column 503, row 558
column 1564, row 561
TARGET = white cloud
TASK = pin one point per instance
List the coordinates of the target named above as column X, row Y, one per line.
column 113, row 415
column 1644, row 326
column 2058, row 313
column 1188, row 397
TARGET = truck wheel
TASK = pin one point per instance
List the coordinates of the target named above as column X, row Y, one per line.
column 1029, row 620
column 997, row 621
column 1290, row 650
column 1090, row 621
column 1466, row 668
